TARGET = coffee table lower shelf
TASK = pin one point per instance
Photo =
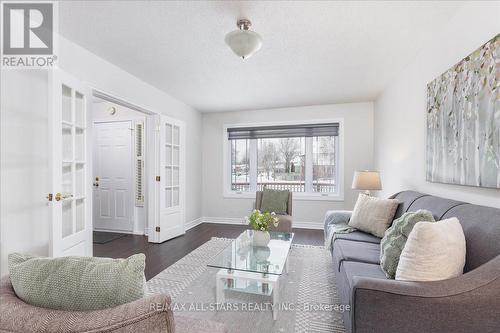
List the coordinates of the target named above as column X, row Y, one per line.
column 248, row 282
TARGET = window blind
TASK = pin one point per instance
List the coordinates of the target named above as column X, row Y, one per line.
column 283, row 131
column 139, row 163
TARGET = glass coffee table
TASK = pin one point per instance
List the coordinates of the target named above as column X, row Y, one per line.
column 253, row 269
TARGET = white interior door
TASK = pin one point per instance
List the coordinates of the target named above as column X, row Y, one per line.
column 170, row 180
column 113, row 176
column 69, row 201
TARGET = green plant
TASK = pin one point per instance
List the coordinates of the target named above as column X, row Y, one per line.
column 261, row 221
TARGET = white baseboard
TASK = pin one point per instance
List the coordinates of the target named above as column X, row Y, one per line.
column 120, row 231
column 223, row 220
column 308, row 225
column 235, row 220
column 193, row 223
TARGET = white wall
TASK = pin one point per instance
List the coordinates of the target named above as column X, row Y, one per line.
column 100, row 113
column 400, row 111
column 24, row 211
column 358, row 154
column 24, row 164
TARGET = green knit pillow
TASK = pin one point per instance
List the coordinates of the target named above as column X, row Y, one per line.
column 274, row 201
column 77, row 283
column 395, row 238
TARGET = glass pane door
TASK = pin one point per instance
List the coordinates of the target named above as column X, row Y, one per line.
column 172, row 165
column 73, row 194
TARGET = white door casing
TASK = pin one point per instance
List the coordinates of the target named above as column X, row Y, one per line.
column 113, row 191
column 168, row 211
column 69, row 160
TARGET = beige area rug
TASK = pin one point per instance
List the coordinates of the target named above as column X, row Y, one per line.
column 308, row 291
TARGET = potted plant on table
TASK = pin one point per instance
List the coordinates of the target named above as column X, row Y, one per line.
column 260, row 223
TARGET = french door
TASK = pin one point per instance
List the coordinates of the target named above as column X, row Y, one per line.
column 69, row 197
column 170, row 180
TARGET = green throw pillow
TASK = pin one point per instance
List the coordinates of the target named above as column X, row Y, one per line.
column 274, row 201
column 395, row 238
column 77, row 283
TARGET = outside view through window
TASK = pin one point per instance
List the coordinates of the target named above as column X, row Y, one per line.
column 281, row 164
column 240, row 165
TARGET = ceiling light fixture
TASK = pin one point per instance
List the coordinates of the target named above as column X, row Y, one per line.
column 243, row 42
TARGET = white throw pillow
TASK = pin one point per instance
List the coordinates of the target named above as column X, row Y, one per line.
column 373, row 215
column 434, row 251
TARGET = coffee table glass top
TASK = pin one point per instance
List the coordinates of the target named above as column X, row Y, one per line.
column 242, row 255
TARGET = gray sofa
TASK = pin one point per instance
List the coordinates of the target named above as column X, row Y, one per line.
column 469, row 303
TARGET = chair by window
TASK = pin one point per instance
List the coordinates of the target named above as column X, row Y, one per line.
column 285, row 224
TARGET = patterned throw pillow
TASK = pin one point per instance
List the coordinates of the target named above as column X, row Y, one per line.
column 274, row 201
column 395, row 239
column 77, row 283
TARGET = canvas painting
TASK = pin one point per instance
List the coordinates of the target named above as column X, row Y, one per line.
column 463, row 121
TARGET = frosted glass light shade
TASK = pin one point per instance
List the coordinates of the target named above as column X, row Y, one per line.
column 244, row 43
column 366, row 180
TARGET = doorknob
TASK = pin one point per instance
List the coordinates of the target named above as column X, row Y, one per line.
column 96, row 184
column 60, row 196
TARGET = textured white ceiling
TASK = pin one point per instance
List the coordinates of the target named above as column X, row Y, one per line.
column 314, row 52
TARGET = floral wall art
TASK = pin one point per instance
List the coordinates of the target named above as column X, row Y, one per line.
column 463, row 121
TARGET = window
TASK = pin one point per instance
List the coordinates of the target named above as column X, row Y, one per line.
column 323, row 164
column 300, row 158
column 240, row 165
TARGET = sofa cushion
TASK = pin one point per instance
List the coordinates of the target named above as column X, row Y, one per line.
column 395, row 238
column 345, row 250
column 436, row 205
column 357, row 236
column 352, row 269
column 77, row 283
column 373, row 215
column 406, row 199
column 481, row 227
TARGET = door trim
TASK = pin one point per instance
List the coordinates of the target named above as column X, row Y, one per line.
column 149, row 172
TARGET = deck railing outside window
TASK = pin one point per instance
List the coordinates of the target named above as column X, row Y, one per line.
column 291, row 186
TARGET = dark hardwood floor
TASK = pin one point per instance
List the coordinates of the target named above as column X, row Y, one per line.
column 160, row 256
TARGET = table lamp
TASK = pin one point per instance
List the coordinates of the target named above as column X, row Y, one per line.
column 366, row 181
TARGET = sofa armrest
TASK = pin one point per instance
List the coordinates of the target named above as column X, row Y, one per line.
column 463, row 304
column 149, row 314
column 336, row 217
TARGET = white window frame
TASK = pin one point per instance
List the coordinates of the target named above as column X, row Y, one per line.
column 226, row 162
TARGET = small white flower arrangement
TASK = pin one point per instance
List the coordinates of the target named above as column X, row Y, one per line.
column 261, row 221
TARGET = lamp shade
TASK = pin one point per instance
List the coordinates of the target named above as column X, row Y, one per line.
column 244, row 43
column 366, row 180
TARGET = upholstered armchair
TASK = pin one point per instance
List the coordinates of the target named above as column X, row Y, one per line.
column 285, row 224
column 150, row 314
